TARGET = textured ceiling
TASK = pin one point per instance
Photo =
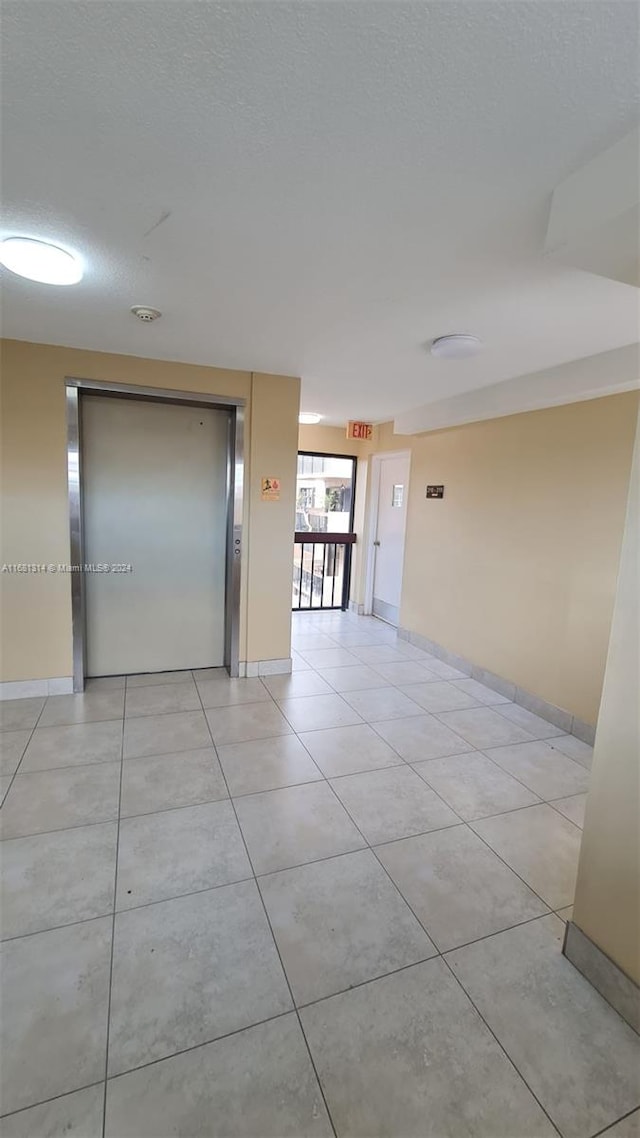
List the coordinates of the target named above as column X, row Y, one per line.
column 315, row 188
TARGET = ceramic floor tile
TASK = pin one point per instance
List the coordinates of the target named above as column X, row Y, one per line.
column 541, row 846
column 483, row 727
column 160, row 699
column 573, row 808
column 533, row 724
column 54, row 1010
column 457, row 887
column 281, row 1099
column 340, row 922
column 104, row 683
column 356, row 678
column 480, row 692
column 298, row 664
column 439, row 695
column 421, row 737
column 385, row 1053
column 161, row 782
column 574, row 749
column 353, row 640
column 56, row 879
column 311, row 641
column 412, row 652
column 347, row 750
column 219, row 673
column 89, row 707
column 240, row 724
column 20, row 714
column 147, row 679
column 164, row 734
column 283, row 828
column 224, row 692
column 5, row 783
column 393, row 803
column 12, row 748
column 315, row 712
column 404, row 672
column 302, row 683
column 378, row 654
column 442, row 671
column 382, row 703
column 267, row 764
column 189, row 970
column 579, row 1057
column 474, row 786
column 546, row 772
column 70, row 746
column 628, row 1127
column 55, row 799
column 329, row 657
column 179, row 851
column 565, row 914
column 78, row 1115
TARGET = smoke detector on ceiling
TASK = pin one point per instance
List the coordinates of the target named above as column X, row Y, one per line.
column 147, row 315
column 456, row 346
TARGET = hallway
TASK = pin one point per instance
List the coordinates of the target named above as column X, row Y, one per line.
column 331, row 902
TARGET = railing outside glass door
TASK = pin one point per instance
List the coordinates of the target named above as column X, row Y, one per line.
column 325, row 498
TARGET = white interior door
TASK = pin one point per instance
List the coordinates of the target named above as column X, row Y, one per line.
column 389, row 536
column 154, row 497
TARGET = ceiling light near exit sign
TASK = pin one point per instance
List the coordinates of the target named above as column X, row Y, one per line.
column 309, row 418
column 40, row 261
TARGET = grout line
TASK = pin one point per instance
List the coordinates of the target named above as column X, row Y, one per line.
column 257, row 877
column 623, row 1118
column 277, row 950
column 130, row 909
column 503, row 1049
column 113, row 934
column 54, row 1098
column 26, row 748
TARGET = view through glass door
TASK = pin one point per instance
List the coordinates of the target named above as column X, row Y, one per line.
column 325, row 500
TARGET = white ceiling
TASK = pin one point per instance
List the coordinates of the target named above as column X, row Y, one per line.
column 316, row 188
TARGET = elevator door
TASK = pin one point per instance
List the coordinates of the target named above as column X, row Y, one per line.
column 154, row 498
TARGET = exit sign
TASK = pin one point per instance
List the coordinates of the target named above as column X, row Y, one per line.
column 357, row 430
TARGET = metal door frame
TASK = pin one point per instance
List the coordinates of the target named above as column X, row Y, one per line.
column 235, row 492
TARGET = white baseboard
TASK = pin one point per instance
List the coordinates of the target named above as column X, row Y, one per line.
column 27, row 689
column 607, row 978
column 252, row 668
column 556, row 715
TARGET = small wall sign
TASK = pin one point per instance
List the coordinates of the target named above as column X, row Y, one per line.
column 435, row 491
column 357, row 430
column 270, row 489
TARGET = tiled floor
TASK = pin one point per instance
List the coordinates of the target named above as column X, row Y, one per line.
column 330, row 903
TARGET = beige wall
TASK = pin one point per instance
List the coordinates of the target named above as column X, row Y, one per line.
column 515, row 568
column 607, row 902
column 36, row 609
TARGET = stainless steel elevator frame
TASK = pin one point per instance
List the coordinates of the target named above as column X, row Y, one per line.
column 235, row 492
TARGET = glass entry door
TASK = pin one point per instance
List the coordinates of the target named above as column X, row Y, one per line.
column 325, row 501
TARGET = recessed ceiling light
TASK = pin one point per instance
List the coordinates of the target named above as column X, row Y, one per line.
column 308, row 418
column 39, row 261
column 455, row 347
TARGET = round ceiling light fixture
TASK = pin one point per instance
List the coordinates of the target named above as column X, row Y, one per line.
column 39, row 261
column 309, row 418
column 457, row 346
